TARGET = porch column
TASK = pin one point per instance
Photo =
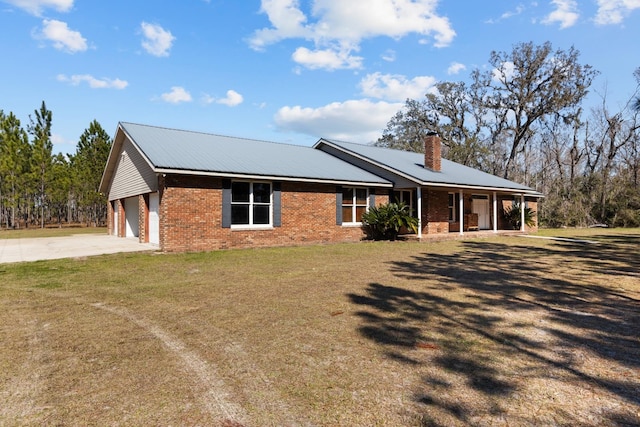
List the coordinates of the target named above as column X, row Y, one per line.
column 419, row 195
column 461, row 208
column 495, row 212
column 522, row 212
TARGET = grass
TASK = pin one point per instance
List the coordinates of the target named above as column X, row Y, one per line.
column 26, row 233
column 499, row 331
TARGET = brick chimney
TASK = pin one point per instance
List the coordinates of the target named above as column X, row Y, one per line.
column 432, row 157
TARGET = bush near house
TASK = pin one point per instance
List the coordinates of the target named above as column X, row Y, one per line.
column 514, row 217
column 384, row 222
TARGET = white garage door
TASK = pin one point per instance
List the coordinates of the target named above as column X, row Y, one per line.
column 131, row 215
column 116, row 222
column 154, row 219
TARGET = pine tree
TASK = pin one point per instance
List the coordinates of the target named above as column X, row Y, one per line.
column 14, row 165
column 41, row 157
column 88, row 163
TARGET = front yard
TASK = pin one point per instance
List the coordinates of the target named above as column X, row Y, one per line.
column 499, row 331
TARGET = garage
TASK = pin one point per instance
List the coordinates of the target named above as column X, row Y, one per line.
column 154, row 218
column 131, row 209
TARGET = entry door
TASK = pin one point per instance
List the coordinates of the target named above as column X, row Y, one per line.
column 131, row 215
column 481, row 207
column 154, row 218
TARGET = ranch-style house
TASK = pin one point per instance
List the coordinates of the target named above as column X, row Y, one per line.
column 191, row 191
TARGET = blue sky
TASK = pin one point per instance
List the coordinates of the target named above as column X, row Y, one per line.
column 281, row 70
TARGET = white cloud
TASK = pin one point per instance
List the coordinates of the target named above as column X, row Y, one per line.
column 565, row 13
column 359, row 121
column 288, row 22
column 505, row 72
column 232, row 99
column 394, row 87
column 177, row 95
column 157, row 41
column 614, row 11
column 62, row 144
column 62, row 36
column 508, row 14
column 328, row 59
column 35, row 7
column 338, row 27
column 94, row 83
column 389, row 55
column 455, row 68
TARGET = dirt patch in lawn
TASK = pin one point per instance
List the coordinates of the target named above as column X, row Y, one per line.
column 500, row 331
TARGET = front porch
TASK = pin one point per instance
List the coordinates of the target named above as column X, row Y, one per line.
column 443, row 211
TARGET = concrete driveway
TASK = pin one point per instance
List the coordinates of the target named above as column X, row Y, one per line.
column 80, row 245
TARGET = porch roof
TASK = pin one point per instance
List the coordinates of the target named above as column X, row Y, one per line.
column 410, row 166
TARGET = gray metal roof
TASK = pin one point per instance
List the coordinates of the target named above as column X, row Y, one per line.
column 195, row 152
column 410, row 165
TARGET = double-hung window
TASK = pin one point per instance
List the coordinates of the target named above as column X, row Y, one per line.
column 354, row 204
column 453, row 200
column 251, row 204
column 406, row 197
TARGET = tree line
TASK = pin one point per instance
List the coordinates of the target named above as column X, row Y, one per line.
column 38, row 187
column 524, row 119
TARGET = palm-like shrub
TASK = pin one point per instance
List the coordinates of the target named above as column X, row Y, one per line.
column 514, row 217
column 384, row 222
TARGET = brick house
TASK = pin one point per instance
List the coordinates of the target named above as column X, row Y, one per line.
column 447, row 196
column 190, row 191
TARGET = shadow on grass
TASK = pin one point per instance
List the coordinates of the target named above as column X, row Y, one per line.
column 465, row 306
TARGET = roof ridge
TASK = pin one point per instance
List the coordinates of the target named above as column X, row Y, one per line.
column 213, row 134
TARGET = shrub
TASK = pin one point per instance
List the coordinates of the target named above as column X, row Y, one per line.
column 514, row 217
column 384, row 222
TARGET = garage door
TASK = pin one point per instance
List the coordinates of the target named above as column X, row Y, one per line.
column 116, row 222
column 131, row 215
column 154, row 219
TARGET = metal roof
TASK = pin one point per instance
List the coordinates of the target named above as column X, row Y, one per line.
column 172, row 150
column 410, row 165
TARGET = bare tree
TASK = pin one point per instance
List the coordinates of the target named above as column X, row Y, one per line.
column 526, row 85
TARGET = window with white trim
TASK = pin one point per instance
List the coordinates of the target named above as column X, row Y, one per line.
column 354, row 204
column 251, row 204
column 406, row 197
column 452, row 206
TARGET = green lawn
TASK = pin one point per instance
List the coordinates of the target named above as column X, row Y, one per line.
column 499, row 331
column 25, row 233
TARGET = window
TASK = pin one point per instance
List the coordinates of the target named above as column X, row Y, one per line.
column 354, row 204
column 453, row 197
column 250, row 203
column 405, row 196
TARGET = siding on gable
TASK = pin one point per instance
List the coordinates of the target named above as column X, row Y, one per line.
column 133, row 175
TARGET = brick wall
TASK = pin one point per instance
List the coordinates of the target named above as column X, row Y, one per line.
column 143, row 218
column 191, row 217
column 110, row 218
column 122, row 220
column 435, row 211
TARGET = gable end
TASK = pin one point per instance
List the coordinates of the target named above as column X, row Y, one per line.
column 133, row 175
